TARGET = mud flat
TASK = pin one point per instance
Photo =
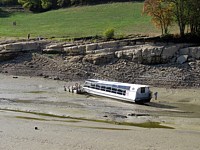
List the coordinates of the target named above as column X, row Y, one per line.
column 36, row 113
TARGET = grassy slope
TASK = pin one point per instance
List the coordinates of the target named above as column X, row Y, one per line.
column 125, row 18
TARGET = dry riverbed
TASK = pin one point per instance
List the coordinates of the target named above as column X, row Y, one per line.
column 37, row 113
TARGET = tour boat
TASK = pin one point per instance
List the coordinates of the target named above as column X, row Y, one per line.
column 123, row 91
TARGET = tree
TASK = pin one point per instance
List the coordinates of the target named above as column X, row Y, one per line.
column 8, row 2
column 181, row 14
column 161, row 13
column 63, row 3
column 193, row 16
column 46, row 4
column 32, row 5
column 38, row 5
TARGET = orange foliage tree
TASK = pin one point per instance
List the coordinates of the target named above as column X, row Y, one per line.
column 161, row 13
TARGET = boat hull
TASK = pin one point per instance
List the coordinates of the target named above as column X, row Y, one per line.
column 114, row 96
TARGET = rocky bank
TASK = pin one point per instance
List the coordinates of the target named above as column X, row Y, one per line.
column 130, row 60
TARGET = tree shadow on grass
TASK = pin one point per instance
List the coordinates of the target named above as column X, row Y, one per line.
column 4, row 14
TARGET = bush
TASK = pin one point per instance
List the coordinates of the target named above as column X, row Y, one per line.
column 109, row 33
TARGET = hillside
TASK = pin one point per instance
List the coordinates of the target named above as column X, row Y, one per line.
column 125, row 18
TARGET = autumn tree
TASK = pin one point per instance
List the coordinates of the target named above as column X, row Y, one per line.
column 161, row 13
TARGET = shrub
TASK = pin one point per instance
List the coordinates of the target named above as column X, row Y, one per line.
column 109, row 33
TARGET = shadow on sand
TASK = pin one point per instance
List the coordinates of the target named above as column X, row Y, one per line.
column 150, row 104
column 159, row 105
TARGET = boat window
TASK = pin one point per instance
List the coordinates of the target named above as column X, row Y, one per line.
column 124, row 87
column 92, row 85
column 87, row 84
column 108, row 89
column 142, row 89
column 119, row 91
column 114, row 86
column 114, row 90
column 97, row 86
column 103, row 88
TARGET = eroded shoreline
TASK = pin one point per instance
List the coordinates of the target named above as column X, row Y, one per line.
column 177, row 108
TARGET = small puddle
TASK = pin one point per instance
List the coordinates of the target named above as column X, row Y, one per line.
column 32, row 118
column 143, row 125
column 36, row 92
column 24, row 101
column 41, row 119
column 103, row 128
column 74, row 105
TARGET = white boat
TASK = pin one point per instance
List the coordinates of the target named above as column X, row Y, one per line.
column 123, row 91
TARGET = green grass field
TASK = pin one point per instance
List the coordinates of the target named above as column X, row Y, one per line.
column 125, row 18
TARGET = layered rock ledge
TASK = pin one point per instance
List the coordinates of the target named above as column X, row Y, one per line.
column 130, row 60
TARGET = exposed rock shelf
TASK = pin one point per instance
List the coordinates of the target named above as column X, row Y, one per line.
column 158, row 64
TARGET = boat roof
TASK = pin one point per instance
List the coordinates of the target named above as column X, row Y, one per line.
column 117, row 83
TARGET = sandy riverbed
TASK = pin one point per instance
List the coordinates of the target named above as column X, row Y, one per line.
column 68, row 121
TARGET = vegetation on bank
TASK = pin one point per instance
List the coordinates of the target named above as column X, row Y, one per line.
column 109, row 20
column 45, row 5
column 184, row 12
column 124, row 18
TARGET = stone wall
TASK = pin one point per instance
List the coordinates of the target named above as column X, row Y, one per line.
column 10, row 50
column 136, row 51
column 97, row 53
column 22, row 46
